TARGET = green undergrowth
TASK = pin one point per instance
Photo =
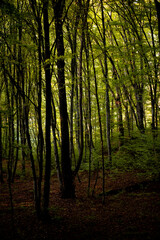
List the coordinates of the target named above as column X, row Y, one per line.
column 140, row 152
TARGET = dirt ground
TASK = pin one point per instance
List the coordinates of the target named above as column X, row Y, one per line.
column 132, row 215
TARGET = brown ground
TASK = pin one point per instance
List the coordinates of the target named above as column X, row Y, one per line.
column 127, row 215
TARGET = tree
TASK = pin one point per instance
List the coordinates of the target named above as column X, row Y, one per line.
column 107, row 97
column 157, row 4
column 68, row 189
column 48, row 108
column 1, row 168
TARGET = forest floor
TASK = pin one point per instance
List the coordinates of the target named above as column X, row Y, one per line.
column 128, row 213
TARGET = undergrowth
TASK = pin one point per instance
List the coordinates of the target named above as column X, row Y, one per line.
column 141, row 152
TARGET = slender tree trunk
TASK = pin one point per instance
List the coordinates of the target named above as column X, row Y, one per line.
column 40, row 131
column 22, row 133
column 59, row 174
column 20, row 81
column 99, row 115
column 139, row 107
column 73, row 45
column 48, row 110
column 26, row 112
column 89, row 112
column 118, row 105
column 17, row 136
column 127, row 118
column 107, row 100
column 1, row 166
column 107, row 87
column 80, row 114
column 157, row 4
column 120, row 117
column 129, row 98
column 10, row 145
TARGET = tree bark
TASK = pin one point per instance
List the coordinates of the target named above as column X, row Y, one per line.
column 99, row 115
column 48, row 110
column 68, row 188
column 157, row 4
column 107, row 99
column 80, row 113
column 59, row 174
column 1, row 168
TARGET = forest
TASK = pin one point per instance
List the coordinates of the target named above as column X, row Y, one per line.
column 79, row 119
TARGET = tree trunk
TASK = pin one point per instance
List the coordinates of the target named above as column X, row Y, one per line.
column 48, row 110
column 80, row 113
column 120, row 117
column 20, row 81
column 73, row 45
column 18, row 129
column 1, row 168
column 59, row 174
column 89, row 112
column 107, row 99
column 157, row 4
column 139, row 107
column 68, row 189
column 40, row 131
column 99, row 115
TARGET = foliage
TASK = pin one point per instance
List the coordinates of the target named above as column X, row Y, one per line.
column 139, row 153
